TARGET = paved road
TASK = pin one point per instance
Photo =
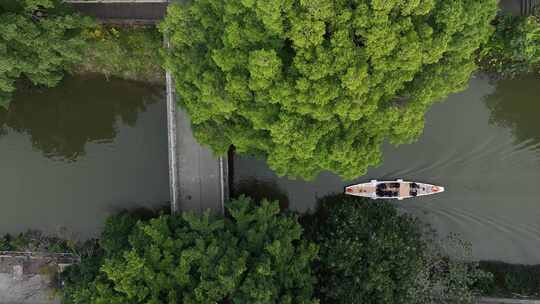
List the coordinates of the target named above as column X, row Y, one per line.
column 142, row 13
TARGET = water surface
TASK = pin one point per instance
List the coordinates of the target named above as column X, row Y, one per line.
column 483, row 145
column 71, row 155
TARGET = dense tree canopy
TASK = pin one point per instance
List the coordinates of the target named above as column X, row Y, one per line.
column 319, row 85
column 369, row 253
column 254, row 256
column 39, row 39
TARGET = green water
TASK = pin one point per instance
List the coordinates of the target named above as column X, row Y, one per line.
column 71, row 155
column 483, row 145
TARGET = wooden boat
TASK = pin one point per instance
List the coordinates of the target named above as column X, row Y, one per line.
column 398, row 189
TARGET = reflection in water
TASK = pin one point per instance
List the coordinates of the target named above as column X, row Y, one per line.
column 62, row 120
column 259, row 190
column 515, row 104
column 490, row 171
column 72, row 122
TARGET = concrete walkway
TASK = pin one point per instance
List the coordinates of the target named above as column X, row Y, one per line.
column 198, row 179
column 202, row 177
column 125, row 12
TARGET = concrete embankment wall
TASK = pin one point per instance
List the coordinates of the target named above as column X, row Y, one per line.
column 488, row 300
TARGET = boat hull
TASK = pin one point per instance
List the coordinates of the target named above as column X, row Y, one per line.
column 392, row 189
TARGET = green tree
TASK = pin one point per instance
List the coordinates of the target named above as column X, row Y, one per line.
column 514, row 48
column 39, row 40
column 256, row 255
column 319, row 85
column 371, row 254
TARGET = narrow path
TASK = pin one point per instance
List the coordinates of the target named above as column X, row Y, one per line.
column 202, row 175
column 198, row 180
column 120, row 13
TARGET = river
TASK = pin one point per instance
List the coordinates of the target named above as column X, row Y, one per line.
column 483, row 145
column 71, row 155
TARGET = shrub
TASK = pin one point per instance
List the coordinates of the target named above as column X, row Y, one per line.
column 38, row 241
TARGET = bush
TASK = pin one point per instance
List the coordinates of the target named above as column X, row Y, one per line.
column 37, row 241
column 514, row 48
column 371, row 254
column 255, row 256
column 125, row 52
column 4, row 243
column 511, row 280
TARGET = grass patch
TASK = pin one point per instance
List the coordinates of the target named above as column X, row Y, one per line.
column 130, row 53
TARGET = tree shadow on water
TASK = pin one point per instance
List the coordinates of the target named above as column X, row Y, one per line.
column 62, row 120
column 515, row 104
column 262, row 189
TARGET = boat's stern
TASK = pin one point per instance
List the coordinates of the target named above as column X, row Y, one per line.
column 363, row 190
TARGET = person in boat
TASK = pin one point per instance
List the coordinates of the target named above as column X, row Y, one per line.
column 388, row 193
